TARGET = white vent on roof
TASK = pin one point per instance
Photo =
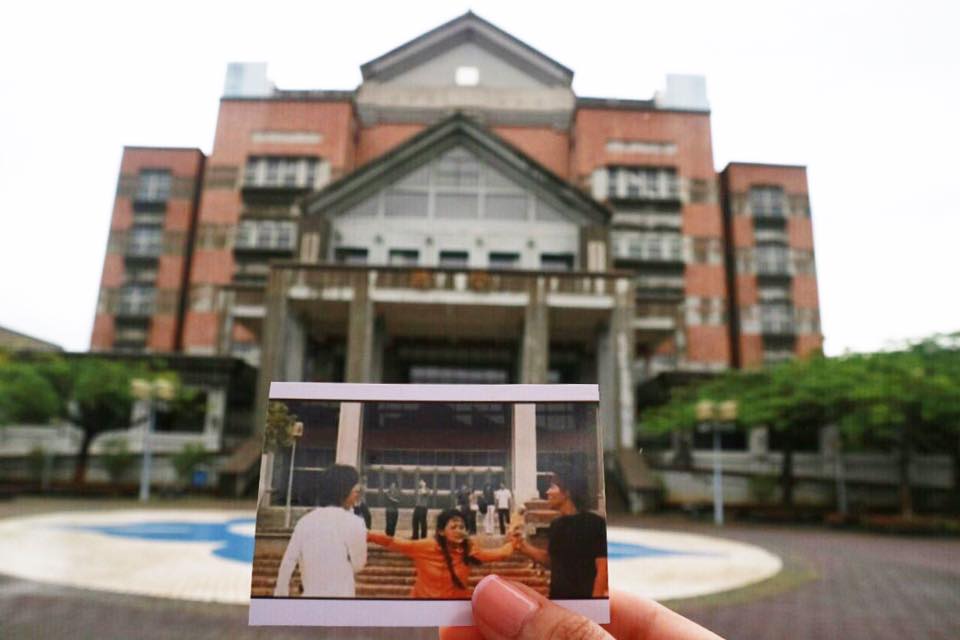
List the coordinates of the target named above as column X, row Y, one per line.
column 684, row 92
column 467, row 76
column 247, row 79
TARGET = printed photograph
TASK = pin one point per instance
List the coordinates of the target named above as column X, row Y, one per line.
column 392, row 493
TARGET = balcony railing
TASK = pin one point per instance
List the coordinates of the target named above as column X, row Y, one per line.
column 444, row 279
column 144, row 249
column 778, row 268
column 777, row 326
column 135, row 308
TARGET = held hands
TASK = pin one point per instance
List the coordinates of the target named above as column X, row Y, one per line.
column 517, row 538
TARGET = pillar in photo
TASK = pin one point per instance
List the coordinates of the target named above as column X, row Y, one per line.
column 350, row 434
column 523, row 451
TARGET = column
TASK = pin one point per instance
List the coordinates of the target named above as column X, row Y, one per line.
column 523, row 451
column 360, row 331
column 535, row 349
column 615, row 356
column 350, row 434
column 624, row 352
column 272, row 342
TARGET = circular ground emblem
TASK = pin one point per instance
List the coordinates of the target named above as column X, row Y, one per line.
column 206, row 555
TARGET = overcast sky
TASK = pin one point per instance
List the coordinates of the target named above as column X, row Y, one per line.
column 866, row 94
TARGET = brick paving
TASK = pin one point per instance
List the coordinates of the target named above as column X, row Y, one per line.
column 866, row 586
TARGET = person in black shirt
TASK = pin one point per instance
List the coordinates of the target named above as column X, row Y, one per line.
column 393, row 511
column 576, row 542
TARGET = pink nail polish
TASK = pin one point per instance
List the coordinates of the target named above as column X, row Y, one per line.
column 502, row 606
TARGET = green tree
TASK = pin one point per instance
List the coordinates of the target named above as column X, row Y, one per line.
column 26, row 396
column 796, row 398
column 909, row 401
column 279, row 425
column 101, row 401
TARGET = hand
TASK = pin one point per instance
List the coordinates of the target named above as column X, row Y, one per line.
column 505, row 610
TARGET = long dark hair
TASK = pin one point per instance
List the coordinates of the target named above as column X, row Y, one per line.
column 336, row 483
column 442, row 519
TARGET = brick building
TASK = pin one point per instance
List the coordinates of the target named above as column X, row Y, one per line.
column 461, row 216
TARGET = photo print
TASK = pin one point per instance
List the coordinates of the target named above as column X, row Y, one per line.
column 387, row 504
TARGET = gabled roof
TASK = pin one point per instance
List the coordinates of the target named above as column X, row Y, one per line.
column 467, row 28
column 457, row 130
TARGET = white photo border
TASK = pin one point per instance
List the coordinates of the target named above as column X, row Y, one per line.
column 346, row 612
column 341, row 612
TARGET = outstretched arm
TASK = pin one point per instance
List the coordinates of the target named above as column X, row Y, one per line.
column 406, row 547
column 492, row 555
column 534, row 553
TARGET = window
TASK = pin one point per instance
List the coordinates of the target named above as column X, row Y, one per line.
column 654, row 247
column 454, row 259
column 499, row 260
column 153, row 185
column 350, row 255
column 145, row 242
column 767, row 202
column 556, row 261
column 131, row 334
column 281, row 172
column 773, row 259
column 776, row 318
column 643, row 183
column 136, row 300
column 267, row 234
column 457, row 168
column 458, row 205
column 503, row 199
column 399, row 203
column 404, row 257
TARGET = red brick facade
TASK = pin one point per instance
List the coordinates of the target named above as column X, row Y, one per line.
column 156, row 269
column 718, row 303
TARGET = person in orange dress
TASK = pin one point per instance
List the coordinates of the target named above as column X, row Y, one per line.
column 443, row 562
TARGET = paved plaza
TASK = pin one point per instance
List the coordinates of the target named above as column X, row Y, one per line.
column 832, row 584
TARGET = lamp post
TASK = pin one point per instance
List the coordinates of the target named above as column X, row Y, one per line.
column 295, row 432
column 717, row 417
column 150, row 391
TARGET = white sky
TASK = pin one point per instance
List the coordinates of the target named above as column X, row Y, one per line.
column 866, row 94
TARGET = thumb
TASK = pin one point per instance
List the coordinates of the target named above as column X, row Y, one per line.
column 510, row 611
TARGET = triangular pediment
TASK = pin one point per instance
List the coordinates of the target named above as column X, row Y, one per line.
column 457, row 170
column 468, row 50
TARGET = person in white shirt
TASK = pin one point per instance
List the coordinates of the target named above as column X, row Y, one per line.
column 330, row 542
column 502, row 497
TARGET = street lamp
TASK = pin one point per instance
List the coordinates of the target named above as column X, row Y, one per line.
column 296, row 431
column 150, row 391
column 717, row 417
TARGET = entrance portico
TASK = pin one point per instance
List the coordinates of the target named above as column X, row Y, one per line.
column 342, row 323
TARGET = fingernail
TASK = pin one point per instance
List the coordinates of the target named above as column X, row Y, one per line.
column 503, row 606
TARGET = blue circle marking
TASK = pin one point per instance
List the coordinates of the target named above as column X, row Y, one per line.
column 627, row 550
column 234, row 546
